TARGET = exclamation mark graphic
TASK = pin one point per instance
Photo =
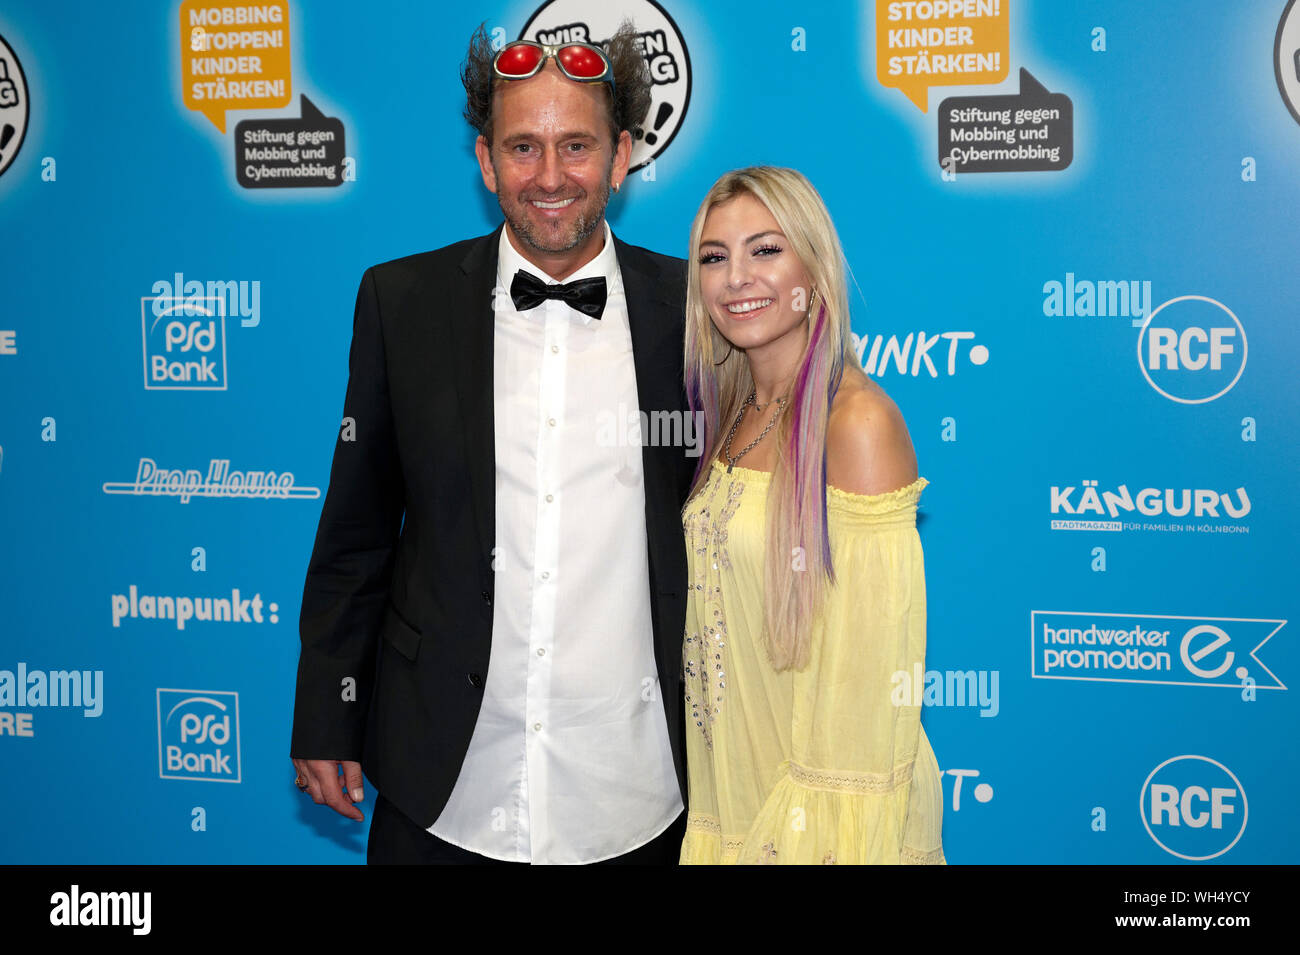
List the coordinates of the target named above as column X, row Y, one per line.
column 5, row 136
column 661, row 117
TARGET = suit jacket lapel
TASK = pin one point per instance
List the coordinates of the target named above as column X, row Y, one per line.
column 471, row 321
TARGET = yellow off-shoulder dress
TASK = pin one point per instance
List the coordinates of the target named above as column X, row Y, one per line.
column 818, row 765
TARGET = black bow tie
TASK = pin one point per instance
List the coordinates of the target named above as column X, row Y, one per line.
column 586, row 295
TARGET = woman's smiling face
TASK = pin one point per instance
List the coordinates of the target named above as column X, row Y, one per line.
column 754, row 286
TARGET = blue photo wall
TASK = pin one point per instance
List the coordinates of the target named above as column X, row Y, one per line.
column 1071, row 230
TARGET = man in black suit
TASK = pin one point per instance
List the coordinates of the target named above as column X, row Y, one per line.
column 492, row 499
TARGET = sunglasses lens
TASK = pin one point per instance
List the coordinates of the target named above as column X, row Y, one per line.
column 582, row 62
column 518, row 60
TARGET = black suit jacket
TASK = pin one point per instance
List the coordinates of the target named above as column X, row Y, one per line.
column 398, row 596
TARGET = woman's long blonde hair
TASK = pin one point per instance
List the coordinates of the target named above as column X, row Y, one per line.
column 718, row 380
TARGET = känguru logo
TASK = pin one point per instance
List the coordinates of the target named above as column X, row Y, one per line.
column 1087, row 507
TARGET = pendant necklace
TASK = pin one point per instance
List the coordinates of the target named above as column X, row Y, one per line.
column 726, row 448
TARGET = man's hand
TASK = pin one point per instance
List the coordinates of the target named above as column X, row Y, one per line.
column 325, row 787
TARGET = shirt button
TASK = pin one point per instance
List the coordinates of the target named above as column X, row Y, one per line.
column 537, row 727
column 546, row 575
column 555, row 349
column 541, row 651
column 551, row 422
column 550, row 498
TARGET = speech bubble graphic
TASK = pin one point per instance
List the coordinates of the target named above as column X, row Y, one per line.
column 1286, row 58
column 290, row 152
column 924, row 43
column 1029, row 131
column 234, row 55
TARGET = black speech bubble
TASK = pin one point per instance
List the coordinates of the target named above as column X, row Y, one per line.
column 252, row 157
column 1027, row 154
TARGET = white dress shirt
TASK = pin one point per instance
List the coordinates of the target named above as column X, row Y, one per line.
column 570, row 759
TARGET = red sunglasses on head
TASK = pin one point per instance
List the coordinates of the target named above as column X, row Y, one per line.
column 578, row 61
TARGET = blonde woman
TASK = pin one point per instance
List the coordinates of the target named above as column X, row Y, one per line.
column 807, row 586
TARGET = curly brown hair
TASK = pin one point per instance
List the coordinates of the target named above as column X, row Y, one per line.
column 630, row 100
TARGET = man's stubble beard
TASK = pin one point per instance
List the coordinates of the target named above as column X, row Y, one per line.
column 583, row 227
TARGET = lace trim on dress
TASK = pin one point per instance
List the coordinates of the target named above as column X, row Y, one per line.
column 711, row 826
column 768, row 854
column 842, row 781
column 916, row 857
column 699, row 823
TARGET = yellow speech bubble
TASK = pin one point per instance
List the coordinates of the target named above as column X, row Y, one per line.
column 924, row 43
column 234, row 55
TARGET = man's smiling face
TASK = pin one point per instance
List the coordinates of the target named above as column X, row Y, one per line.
column 551, row 160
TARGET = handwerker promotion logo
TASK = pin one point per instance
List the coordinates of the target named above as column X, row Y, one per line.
column 1151, row 648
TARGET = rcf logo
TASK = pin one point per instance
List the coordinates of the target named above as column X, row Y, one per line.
column 198, row 735
column 1192, row 349
column 1193, row 807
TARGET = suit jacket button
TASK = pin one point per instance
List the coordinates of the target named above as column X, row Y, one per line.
column 476, row 681
column 487, row 598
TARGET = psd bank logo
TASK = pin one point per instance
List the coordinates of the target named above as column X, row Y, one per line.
column 1193, row 807
column 1192, row 349
column 184, row 342
column 198, row 735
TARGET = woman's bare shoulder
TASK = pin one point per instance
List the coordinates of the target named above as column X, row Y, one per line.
column 868, row 449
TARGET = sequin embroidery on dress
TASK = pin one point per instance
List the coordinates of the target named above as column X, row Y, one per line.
column 704, row 650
